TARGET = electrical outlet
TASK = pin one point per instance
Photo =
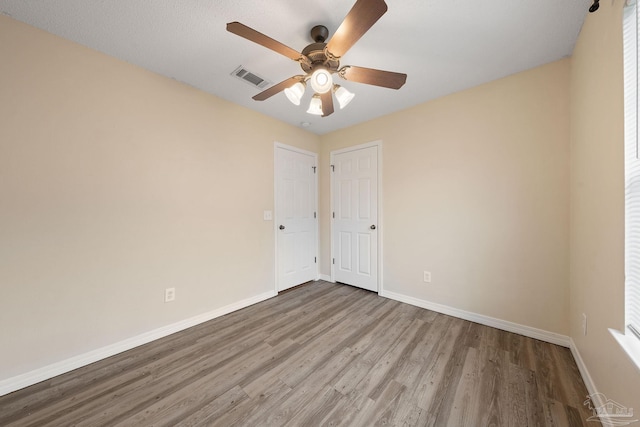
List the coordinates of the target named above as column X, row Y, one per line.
column 169, row 294
column 584, row 324
column 427, row 276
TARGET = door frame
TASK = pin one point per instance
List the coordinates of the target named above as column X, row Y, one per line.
column 278, row 145
column 378, row 145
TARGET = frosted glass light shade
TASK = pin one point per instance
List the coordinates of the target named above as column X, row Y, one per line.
column 315, row 106
column 343, row 96
column 321, row 80
column 295, row 92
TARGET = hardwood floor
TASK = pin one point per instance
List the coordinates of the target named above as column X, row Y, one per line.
column 321, row 354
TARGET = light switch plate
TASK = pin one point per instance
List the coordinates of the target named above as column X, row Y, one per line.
column 268, row 216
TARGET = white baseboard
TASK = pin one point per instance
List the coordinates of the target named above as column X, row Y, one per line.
column 505, row 325
column 584, row 372
column 325, row 277
column 29, row 378
column 24, row 380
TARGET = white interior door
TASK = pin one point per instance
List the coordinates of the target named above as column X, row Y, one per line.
column 355, row 217
column 295, row 216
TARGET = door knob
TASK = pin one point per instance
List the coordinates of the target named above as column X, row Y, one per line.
column 373, row 227
column 281, row 227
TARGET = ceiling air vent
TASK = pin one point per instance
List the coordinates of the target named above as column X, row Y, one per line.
column 250, row 78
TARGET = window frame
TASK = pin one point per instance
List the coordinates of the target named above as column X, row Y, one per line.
column 629, row 339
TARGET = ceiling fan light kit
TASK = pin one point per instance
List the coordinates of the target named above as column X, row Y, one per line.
column 315, row 106
column 295, row 92
column 343, row 96
column 321, row 80
column 321, row 60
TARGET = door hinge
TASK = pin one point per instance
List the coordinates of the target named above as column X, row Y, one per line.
column 333, row 168
column 315, row 260
column 314, row 215
column 333, row 261
column 333, row 214
column 314, row 169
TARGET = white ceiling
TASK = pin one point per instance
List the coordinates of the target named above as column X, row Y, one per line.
column 443, row 46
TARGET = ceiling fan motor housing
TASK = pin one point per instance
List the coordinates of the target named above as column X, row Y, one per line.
column 316, row 52
column 317, row 57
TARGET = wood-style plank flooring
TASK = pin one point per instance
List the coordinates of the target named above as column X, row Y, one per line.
column 320, row 354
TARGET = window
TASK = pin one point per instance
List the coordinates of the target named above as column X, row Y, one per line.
column 632, row 171
column 630, row 338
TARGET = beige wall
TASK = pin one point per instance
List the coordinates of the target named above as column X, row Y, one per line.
column 476, row 190
column 116, row 183
column 597, row 203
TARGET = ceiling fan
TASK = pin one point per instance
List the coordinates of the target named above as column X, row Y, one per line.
column 321, row 60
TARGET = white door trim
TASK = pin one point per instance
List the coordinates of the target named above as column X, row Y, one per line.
column 377, row 144
column 276, row 146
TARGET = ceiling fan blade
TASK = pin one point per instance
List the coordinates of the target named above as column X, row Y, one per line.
column 374, row 77
column 327, row 103
column 268, row 93
column 266, row 41
column 360, row 18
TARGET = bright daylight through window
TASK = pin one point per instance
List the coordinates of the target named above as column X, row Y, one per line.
column 630, row 338
column 632, row 171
